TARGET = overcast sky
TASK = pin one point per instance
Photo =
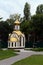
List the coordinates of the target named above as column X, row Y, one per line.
column 8, row 7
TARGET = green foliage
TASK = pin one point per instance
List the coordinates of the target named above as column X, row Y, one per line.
column 27, row 11
column 6, row 54
column 0, row 18
column 39, row 9
column 4, row 31
column 37, row 22
column 26, row 27
column 29, row 44
column 33, row 27
column 15, row 16
column 37, row 49
column 10, row 21
column 32, row 60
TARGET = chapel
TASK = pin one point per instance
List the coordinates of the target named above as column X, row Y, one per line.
column 16, row 38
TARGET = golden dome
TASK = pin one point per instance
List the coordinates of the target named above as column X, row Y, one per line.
column 16, row 22
column 12, row 39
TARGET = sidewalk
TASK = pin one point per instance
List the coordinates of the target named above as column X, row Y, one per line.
column 21, row 55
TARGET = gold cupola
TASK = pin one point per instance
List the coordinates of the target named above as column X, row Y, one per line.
column 17, row 22
column 17, row 25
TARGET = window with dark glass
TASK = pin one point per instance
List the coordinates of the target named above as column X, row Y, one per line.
column 20, row 41
column 23, row 41
column 9, row 44
column 15, row 44
column 12, row 44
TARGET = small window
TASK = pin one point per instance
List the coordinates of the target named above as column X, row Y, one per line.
column 12, row 44
column 20, row 41
column 15, row 44
column 23, row 41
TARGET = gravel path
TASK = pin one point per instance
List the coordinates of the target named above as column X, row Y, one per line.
column 21, row 55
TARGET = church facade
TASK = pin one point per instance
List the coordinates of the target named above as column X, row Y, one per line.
column 17, row 38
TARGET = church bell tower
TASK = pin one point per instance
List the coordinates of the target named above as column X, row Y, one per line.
column 17, row 25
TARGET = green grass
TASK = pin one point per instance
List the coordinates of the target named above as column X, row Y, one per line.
column 37, row 49
column 34, row 49
column 6, row 54
column 32, row 60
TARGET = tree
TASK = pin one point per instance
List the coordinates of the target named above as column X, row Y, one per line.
column 26, row 28
column 1, row 19
column 4, row 32
column 26, row 21
column 15, row 16
column 37, row 24
column 39, row 9
column 12, row 18
column 25, row 25
column 10, row 21
column 27, row 11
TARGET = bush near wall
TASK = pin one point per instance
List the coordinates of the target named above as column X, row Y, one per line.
column 36, row 44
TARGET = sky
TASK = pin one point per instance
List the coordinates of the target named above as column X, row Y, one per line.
column 8, row 7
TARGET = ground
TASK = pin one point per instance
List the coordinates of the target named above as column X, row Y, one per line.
column 32, row 60
column 21, row 55
column 6, row 54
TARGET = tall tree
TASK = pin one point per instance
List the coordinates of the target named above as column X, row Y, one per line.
column 26, row 28
column 39, row 9
column 27, row 11
column 4, row 31
column 37, row 24
column 26, row 21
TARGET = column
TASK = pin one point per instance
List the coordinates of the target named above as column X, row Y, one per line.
column 21, row 41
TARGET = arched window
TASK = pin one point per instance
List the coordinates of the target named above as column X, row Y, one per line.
column 20, row 41
column 12, row 44
column 23, row 41
column 15, row 44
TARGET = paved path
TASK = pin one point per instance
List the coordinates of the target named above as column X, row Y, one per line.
column 21, row 55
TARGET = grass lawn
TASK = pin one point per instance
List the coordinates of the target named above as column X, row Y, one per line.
column 35, row 49
column 32, row 60
column 6, row 54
